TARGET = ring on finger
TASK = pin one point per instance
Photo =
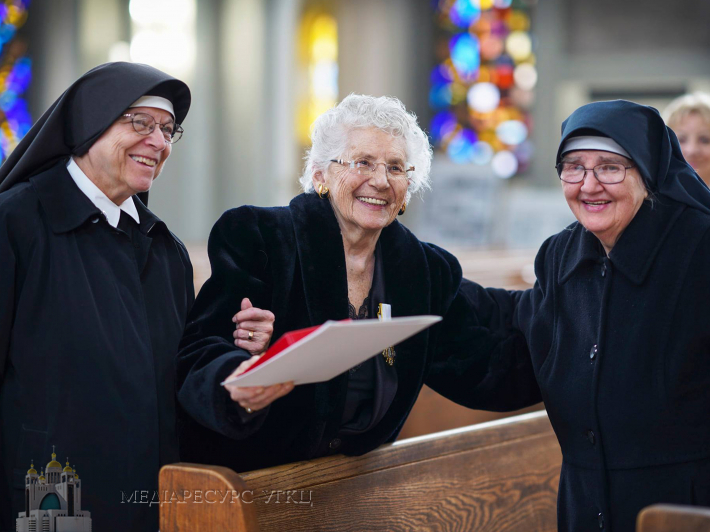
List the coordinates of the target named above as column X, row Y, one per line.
column 251, row 335
column 249, row 410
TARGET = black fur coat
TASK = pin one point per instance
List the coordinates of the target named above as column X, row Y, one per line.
column 291, row 261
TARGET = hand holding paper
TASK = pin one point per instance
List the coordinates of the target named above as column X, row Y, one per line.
column 255, row 398
column 320, row 353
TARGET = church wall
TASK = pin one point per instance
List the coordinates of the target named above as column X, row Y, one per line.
column 240, row 145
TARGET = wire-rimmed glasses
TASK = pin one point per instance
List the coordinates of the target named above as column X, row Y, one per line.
column 607, row 173
column 366, row 167
column 144, row 124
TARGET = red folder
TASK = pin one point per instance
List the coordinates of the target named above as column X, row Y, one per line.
column 318, row 354
column 282, row 343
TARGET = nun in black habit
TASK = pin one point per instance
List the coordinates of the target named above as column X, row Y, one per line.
column 94, row 293
column 618, row 322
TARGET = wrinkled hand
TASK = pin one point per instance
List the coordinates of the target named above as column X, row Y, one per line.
column 257, row 321
column 255, row 397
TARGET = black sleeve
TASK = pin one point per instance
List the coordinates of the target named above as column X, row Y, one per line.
column 481, row 361
column 480, row 354
column 8, row 274
column 207, row 352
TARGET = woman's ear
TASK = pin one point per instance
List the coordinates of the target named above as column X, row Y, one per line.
column 318, row 179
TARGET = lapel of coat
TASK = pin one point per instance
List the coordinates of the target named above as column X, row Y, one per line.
column 322, row 258
column 581, row 247
column 66, row 206
column 635, row 252
column 408, row 288
column 325, row 286
column 149, row 226
column 325, row 283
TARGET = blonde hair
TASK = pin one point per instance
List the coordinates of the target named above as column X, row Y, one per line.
column 688, row 104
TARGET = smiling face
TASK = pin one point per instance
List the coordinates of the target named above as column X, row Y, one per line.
column 605, row 210
column 122, row 162
column 366, row 204
column 694, row 137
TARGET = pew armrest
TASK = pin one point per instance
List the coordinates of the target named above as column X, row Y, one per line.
column 202, row 497
column 672, row 518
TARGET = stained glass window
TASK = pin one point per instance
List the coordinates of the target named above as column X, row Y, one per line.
column 318, row 60
column 482, row 85
column 15, row 76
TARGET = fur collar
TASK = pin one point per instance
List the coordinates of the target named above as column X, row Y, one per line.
column 407, row 285
column 322, row 259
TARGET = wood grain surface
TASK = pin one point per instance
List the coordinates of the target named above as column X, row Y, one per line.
column 500, row 476
column 197, row 497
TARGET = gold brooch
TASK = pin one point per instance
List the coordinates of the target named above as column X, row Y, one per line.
column 389, row 355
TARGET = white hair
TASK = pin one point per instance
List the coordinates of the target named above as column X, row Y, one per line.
column 330, row 131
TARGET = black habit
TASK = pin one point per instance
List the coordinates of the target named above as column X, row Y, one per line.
column 621, row 351
column 89, row 326
column 620, row 344
column 90, row 316
column 291, row 261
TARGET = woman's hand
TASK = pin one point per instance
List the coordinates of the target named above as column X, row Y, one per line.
column 253, row 398
column 254, row 328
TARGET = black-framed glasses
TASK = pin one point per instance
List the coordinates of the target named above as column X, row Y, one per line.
column 144, row 124
column 367, row 167
column 607, row 173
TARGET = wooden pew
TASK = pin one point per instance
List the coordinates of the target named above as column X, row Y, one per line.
column 499, row 476
column 673, row 518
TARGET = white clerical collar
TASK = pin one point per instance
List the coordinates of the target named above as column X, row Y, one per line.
column 111, row 211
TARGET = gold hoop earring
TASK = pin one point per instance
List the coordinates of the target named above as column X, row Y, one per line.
column 323, row 191
column 404, row 208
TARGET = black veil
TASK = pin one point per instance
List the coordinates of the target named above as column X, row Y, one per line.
column 653, row 146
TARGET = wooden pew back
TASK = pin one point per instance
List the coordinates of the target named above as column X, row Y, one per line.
column 497, row 476
column 673, row 518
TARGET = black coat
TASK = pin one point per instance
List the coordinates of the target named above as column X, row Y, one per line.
column 290, row 260
column 621, row 351
column 89, row 327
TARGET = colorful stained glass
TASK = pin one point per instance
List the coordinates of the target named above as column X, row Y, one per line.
column 465, row 55
column 482, row 86
column 504, row 164
column 464, row 13
column 318, row 61
column 15, row 76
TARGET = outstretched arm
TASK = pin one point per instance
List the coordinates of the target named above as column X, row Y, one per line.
column 482, row 361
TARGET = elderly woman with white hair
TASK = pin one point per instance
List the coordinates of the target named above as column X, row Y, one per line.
column 336, row 252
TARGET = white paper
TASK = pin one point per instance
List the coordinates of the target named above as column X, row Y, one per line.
column 333, row 349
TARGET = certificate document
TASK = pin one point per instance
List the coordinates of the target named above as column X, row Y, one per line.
column 320, row 353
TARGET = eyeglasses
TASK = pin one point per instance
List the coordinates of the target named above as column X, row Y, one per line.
column 144, row 124
column 607, row 173
column 367, row 167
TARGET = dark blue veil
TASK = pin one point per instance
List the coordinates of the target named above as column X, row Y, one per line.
column 653, row 146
